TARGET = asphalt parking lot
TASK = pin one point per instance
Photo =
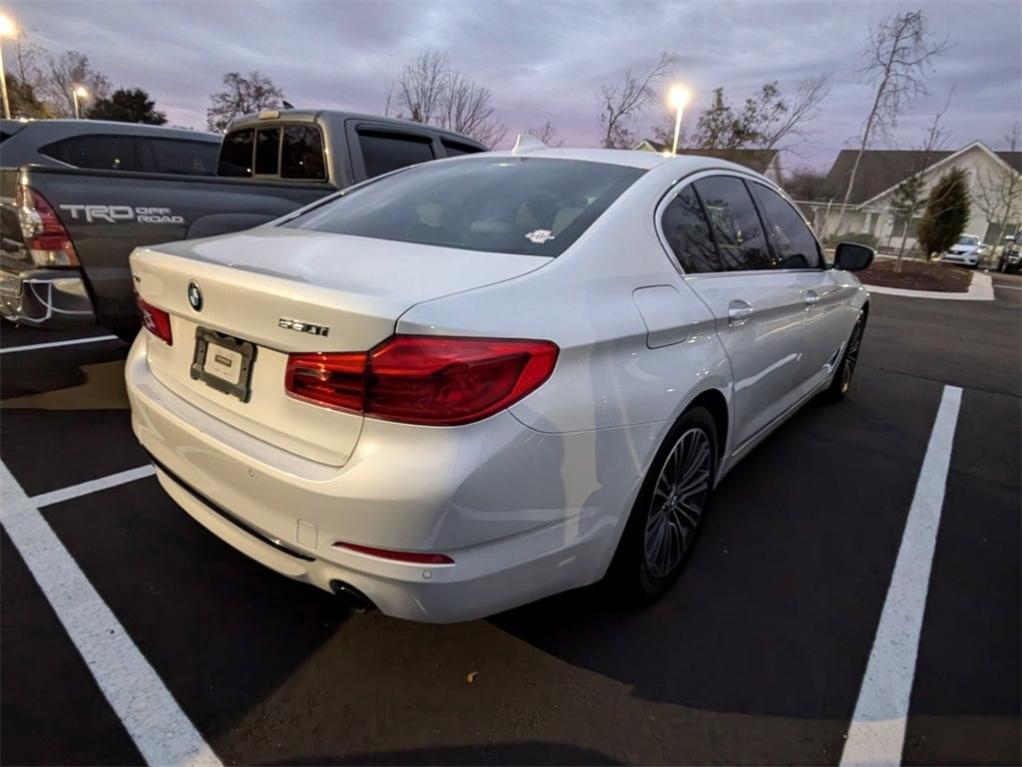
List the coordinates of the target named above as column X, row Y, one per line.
column 756, row 657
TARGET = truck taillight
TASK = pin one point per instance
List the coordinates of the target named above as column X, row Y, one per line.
column 45, row 237
column 155, row 320
column 429, row 380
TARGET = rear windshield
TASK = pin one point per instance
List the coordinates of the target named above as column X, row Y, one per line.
column 526, row 205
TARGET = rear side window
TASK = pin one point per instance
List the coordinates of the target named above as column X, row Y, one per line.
column 267, row 153
column 735, row 223
column 793, row 243
column 302, row 153
column 531, row 206
column 688, row 233
column 236, row 154
column 384, row 152
column 194, row 158
column 456, row 148
column 96, row 152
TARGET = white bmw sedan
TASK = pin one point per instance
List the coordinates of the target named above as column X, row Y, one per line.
column 472, row 383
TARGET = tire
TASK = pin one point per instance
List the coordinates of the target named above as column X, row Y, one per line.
column 664, row 524
column 843, row 375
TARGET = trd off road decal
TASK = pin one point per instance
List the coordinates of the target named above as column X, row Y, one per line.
column 116, row 214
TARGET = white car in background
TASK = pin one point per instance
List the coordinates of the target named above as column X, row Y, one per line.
column 966, row 252
column 476, row 382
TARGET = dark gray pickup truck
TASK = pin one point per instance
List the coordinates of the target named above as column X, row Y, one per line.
column 76, row 197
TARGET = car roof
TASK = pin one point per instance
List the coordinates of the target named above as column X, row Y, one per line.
column 635, row 158
column 61, row 128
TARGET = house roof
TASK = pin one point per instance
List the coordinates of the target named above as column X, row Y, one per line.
column 753, row 159
column 883, row 169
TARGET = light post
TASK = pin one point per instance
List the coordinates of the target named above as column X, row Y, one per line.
column 679, row 96
column 7, row 29
column 79, row 93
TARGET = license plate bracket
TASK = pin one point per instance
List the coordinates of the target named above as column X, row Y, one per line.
column 223, row 362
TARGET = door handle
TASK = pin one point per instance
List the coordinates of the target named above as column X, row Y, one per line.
column 738, row 313
column 812, row 298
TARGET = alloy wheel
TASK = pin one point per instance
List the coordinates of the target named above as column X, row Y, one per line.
column 851, row 356
column 679, row 498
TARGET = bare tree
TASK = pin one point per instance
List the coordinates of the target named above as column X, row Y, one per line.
column 788, row 118
column 999, row 194
column 908, row 197
column 29, row 58
column 899, row 53
column 422, row 87
column 547, row 133
column 620, row 103
column 767, row 120
column 430, row 90
column 62, row 75
column 241, row 95
column 469, row 109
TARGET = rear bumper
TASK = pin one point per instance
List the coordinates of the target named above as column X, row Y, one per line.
column 54, row 298
column 522, row 514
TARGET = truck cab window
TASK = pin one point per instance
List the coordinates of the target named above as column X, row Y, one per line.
column 384, row 151
column 302, row 153
column 267, row 152
column 193, row 158
column 236, row 154
column 456, row 148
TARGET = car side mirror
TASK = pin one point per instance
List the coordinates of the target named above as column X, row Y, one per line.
column 853, row 257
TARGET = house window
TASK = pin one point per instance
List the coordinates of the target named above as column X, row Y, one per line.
column 898, row 230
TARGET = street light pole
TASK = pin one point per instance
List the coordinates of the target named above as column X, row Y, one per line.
column 6, row 30
column 679, row 97
column 79, row 93
column 677, row 130
column 3, row 82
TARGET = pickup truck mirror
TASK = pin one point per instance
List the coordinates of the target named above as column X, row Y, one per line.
column 853, row 257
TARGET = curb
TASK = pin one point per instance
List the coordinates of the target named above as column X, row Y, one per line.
column 981, row 289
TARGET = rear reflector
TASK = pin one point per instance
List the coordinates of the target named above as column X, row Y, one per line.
column 414, row 557
column 45, row 237
column 429, row 380
column 156, row 321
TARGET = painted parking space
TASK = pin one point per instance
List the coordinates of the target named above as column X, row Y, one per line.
column 758, row 655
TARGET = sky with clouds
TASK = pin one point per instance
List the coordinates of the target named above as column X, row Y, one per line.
column 543, row 60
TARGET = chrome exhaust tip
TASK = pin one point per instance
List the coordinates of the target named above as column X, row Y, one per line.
column 351, row 597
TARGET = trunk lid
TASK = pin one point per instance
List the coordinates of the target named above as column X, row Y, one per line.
column 268, row 286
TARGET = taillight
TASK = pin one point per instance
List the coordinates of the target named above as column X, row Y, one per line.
column 156, row 321
column 428, row 380
column 45, row 237
column 413, row 557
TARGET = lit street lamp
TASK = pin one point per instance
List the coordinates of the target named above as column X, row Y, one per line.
column 79, row 93
column 679, row 96
column 7, row 29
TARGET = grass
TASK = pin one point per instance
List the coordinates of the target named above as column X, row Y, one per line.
column 917, row 275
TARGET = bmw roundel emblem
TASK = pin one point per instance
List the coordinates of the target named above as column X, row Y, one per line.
column 195, row 296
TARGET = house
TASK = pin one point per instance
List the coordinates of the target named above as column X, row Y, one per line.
column 993, row 178
column 765, row 161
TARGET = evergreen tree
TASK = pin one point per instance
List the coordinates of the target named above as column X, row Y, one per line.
column 127, row 106
column 24, row 101
column 946, row 214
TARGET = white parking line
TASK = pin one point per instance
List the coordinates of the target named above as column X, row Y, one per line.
column 92, row 486
column 160, row 729
column 1007, row 287
column 54, row 344
column 877, row 731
